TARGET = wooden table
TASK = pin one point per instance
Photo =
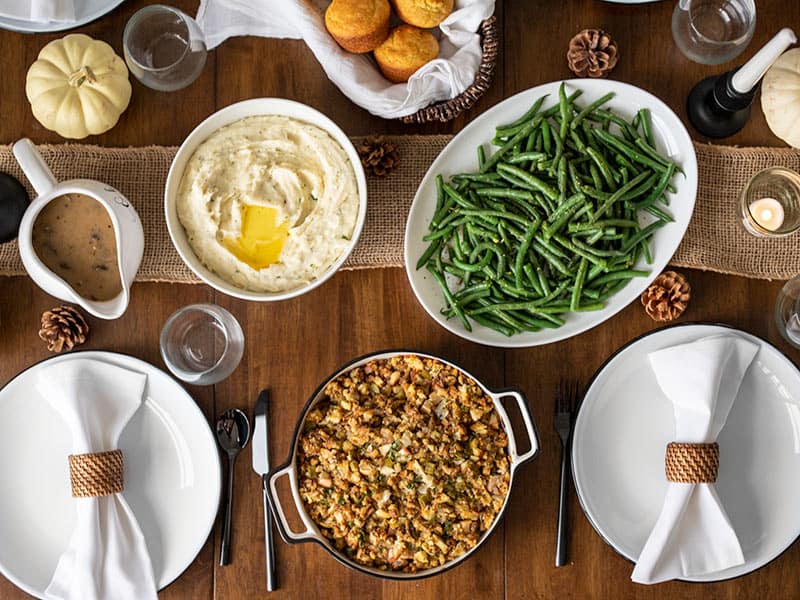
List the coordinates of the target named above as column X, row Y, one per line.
column 293, row 345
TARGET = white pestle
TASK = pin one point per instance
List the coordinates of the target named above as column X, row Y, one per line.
column 751, row 72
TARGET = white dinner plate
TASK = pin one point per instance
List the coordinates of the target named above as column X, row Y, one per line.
column 625, row 423
column 172, row 476
column 86, row 11
column 459, row 156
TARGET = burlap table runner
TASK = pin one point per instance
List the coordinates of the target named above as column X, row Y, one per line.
column 715, row 241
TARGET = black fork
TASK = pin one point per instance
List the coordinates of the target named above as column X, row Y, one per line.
column 566, row 405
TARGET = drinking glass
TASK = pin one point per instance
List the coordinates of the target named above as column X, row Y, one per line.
column 712, row 32
column 202, row 343
column 770, row 203
column 164, row 48
column 787, row 311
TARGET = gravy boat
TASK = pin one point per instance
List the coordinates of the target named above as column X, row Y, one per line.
column 127, row 231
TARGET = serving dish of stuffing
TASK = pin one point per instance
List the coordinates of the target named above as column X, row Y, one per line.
column 401, row 465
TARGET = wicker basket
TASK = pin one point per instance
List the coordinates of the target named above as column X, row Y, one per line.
column 450, row 109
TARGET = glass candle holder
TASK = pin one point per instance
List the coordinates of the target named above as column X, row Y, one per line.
column 770, row 203
column 202, row 343
column 712, row 32
column 164, row 48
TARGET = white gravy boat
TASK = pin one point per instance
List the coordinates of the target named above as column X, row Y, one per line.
column 127, row 230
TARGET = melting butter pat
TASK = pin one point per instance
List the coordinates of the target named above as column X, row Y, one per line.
column 262, row 237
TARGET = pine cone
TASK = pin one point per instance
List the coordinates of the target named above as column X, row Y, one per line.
column 378, row 156
column 63, row 326
column 667, row 296
column 592, row 53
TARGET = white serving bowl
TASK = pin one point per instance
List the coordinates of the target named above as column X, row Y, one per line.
column 226, row 116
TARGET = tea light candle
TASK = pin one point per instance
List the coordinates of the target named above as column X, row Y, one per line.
column 768, row 213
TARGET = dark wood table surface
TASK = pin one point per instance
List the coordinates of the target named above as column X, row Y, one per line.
column 292, row 345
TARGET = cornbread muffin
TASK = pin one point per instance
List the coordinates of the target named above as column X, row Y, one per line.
column 405, row 50
column 423, row 13
column 358, row 25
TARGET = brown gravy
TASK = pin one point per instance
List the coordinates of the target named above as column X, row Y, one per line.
column 74, row 237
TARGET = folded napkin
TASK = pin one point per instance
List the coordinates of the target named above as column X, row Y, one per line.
column 693, row 535
column 356, row 75
column 38, row 11
column 106, row 557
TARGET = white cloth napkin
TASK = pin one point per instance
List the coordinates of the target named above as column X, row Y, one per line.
column 356, row 75
column 106, row 557
column 38, row 11
column 693, row 535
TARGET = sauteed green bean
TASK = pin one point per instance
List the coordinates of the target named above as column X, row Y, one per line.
column 549, row 224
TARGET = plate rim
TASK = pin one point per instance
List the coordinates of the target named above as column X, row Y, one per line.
column 594, row 377
column 55, row 26
column 515, row 341
column 193, row 405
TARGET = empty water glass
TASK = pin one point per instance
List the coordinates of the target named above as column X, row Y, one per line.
column 164, row 48
column 202, row 343
column 712, row 32
column 787, row 311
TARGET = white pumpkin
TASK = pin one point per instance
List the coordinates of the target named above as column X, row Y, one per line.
column 780, row 97
column 78, row 86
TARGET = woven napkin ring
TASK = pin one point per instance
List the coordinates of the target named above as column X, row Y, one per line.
column 692, row 463
column 96, row 474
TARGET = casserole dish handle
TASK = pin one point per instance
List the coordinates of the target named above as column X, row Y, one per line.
column 530, row 428
column 289, row 536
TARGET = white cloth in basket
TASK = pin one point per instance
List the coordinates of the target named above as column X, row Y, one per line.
column 357, row 75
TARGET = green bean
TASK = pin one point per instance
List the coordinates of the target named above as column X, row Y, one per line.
column 546, row 137
column 590, row 108
column 641, row 235
column 619, row 194
column 523, row 251
column 530, row 180
column 439, row 193
column 644, row 120
column 492, row 324
column 529, row 114
column 437, row 275
column 576, row 290
column 660, row 214
column 554, row 110
column 597, row 260
column 505, row 193
column 552, row 259
column 530, row 274
column 658, row 191
column 575, row 227
column 648, row 258
column 473, row 267
column 498, row 154
column 629, row 151
column 526, row 156
column 429, row 252
column 603, row 167
column 626, row 274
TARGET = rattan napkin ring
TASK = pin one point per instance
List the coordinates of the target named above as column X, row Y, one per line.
column 96, row 474
column 692, row 463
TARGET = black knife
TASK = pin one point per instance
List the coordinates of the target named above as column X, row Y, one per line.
column 260, row 448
